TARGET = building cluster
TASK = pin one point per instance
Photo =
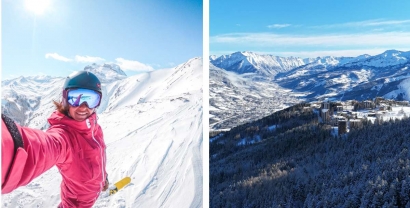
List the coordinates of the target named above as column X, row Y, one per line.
column 349, row 114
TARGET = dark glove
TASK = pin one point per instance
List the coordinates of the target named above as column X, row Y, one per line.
column 107, row 183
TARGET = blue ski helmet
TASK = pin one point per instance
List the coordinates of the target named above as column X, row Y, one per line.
column 81, row 79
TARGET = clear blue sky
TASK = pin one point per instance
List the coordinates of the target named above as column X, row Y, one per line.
column 309, row 28
column 67, row 35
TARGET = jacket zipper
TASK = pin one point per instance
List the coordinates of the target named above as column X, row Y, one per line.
column 102, row 156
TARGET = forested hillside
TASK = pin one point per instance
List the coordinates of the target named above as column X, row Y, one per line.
column 289, row 159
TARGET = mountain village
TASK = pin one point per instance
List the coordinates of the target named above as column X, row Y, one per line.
column 345, row 115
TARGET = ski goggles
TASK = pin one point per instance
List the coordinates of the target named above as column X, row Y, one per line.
column 76, row 97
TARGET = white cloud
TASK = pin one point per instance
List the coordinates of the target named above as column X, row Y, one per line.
column 133, row 65
column 319, row 53
column 123, row 63
column 336, row 53
column 58, row 57
column 78, row 59
column 376, row 36
column 395, row 39
column 385, row 22
column 367, row 23
column 88, row 59
column 278, row 26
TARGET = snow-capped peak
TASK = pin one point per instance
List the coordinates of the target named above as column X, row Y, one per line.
column 270, row 65
column 212, row 57
column 385, row 59
column 391, row 53
column 250, row 62
column 106, row 72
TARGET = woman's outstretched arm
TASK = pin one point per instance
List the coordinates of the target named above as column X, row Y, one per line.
column 27, row 153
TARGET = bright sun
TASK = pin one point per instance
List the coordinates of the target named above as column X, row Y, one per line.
column 37, row 6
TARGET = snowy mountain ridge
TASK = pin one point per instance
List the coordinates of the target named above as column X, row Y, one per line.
column 387, row 59
column 334, row 78
column 249, row 62
column 270, row 65
column 152, row 124
column 106, row 72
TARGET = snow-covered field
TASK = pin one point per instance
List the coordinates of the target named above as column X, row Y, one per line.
column 152, row 126
column 396, row 113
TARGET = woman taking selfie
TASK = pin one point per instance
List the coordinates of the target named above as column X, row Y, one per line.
column 74, row 143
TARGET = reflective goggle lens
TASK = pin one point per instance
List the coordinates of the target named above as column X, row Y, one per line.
column 78, row 96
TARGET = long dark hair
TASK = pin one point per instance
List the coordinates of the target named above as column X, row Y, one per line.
column 61, row 108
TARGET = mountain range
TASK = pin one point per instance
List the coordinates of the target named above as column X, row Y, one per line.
column 309, row 79
column 152, row 124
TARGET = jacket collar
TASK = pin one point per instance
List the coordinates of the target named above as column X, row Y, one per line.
column 81, row 126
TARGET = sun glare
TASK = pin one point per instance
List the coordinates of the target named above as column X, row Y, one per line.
column 37, row 6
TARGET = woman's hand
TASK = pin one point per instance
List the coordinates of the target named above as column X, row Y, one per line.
column 107, row 183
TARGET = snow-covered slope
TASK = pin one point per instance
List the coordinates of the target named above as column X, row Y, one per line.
column 239, row 98
column 152, row 125
column 28, row 100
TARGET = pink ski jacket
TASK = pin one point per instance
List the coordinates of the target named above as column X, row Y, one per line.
column 76, row 148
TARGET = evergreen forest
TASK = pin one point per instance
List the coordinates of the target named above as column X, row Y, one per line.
column 289, row 159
